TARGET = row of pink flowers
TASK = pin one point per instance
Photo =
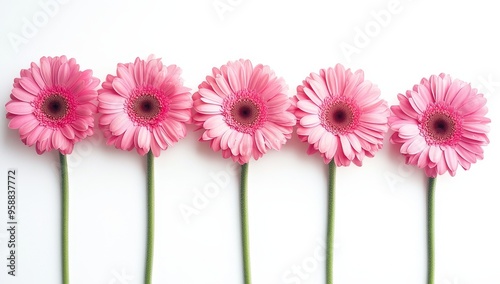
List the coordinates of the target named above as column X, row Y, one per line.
column 244, row 111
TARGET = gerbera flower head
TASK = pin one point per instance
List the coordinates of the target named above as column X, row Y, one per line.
column 340, row 115
column 243, row 110
column 53, row 104
column 440, row 124
column 145, row 106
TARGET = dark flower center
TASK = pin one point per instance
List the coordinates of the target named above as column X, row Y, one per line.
column 245, row 112
column 441, row 127
column 339, row 117
column 146, row 106
column 55, row 107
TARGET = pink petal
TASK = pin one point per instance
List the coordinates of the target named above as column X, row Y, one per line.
column 259, row 141
column 312, row 96
column 308, row 106
column 339, row 74
column 354, row 141
column 120, row 87
column 80, row 125
column 336, row 79
column 58, row 140
column 143, row 138
column 332, row 149
column 477, row 127
column 119, row 124
column 319, row 87
column 346, row 147
column 28, row 127
column 223, row 85
column 68, row 132
column 352, row 83
column 271, row 90
column 224, row 141
column 272, row 136
column 19, row 108
column 34, row 135
column 46, row 134
column 316, row 134
column 213, row 122
column 258, row 80
column 155, row 148
column 407, row 108
column 423, row 159
column 373, row 118
column 364, row 93
column 233, row 80
column 417, row 146
column 19, row 120
column 125, row 78
column 22, row 95
column 63, row 75
column 234, row 142
column 46, row 72
column 37, row 77
column 159, row 138
column 450, row 156
column 325, row 142
column 408, row 131
column 437, row 88
column 208, row 109
column 435, row 154
column 425, row 96
column 160, row 135
column 217, row 131
column 181, row 115
column 209, row 96
column 310, row 120
column 111, row 99
column 246, row 145
column 461, row 97
column 418, row 102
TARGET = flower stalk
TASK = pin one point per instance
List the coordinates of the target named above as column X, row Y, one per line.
column 244, row 223
column 430, row 230
column 64, row 217
column 151, row 219
column 331, row 222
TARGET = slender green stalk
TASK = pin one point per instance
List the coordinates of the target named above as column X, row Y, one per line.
column 151, row 219
column 64, row 215
column 244, row 223
column 331, row 222
column 430, row 230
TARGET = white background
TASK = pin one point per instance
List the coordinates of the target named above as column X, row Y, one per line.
column 380, row 213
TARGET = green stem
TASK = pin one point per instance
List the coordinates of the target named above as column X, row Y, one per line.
column 64, row 220
column 430, row 230
column 331, row 222
column 151, row 218
column 244, row 223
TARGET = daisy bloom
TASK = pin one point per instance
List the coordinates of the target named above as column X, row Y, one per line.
column 340, row 115
column 243, row 110
column 145, row 106
column 52, row 104
column 440, row 124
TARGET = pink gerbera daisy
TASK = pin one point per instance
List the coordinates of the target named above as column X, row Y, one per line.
column 244, row 110
column 144, row 107
column 440, row 124
column 340, row 115
column 53, row 104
